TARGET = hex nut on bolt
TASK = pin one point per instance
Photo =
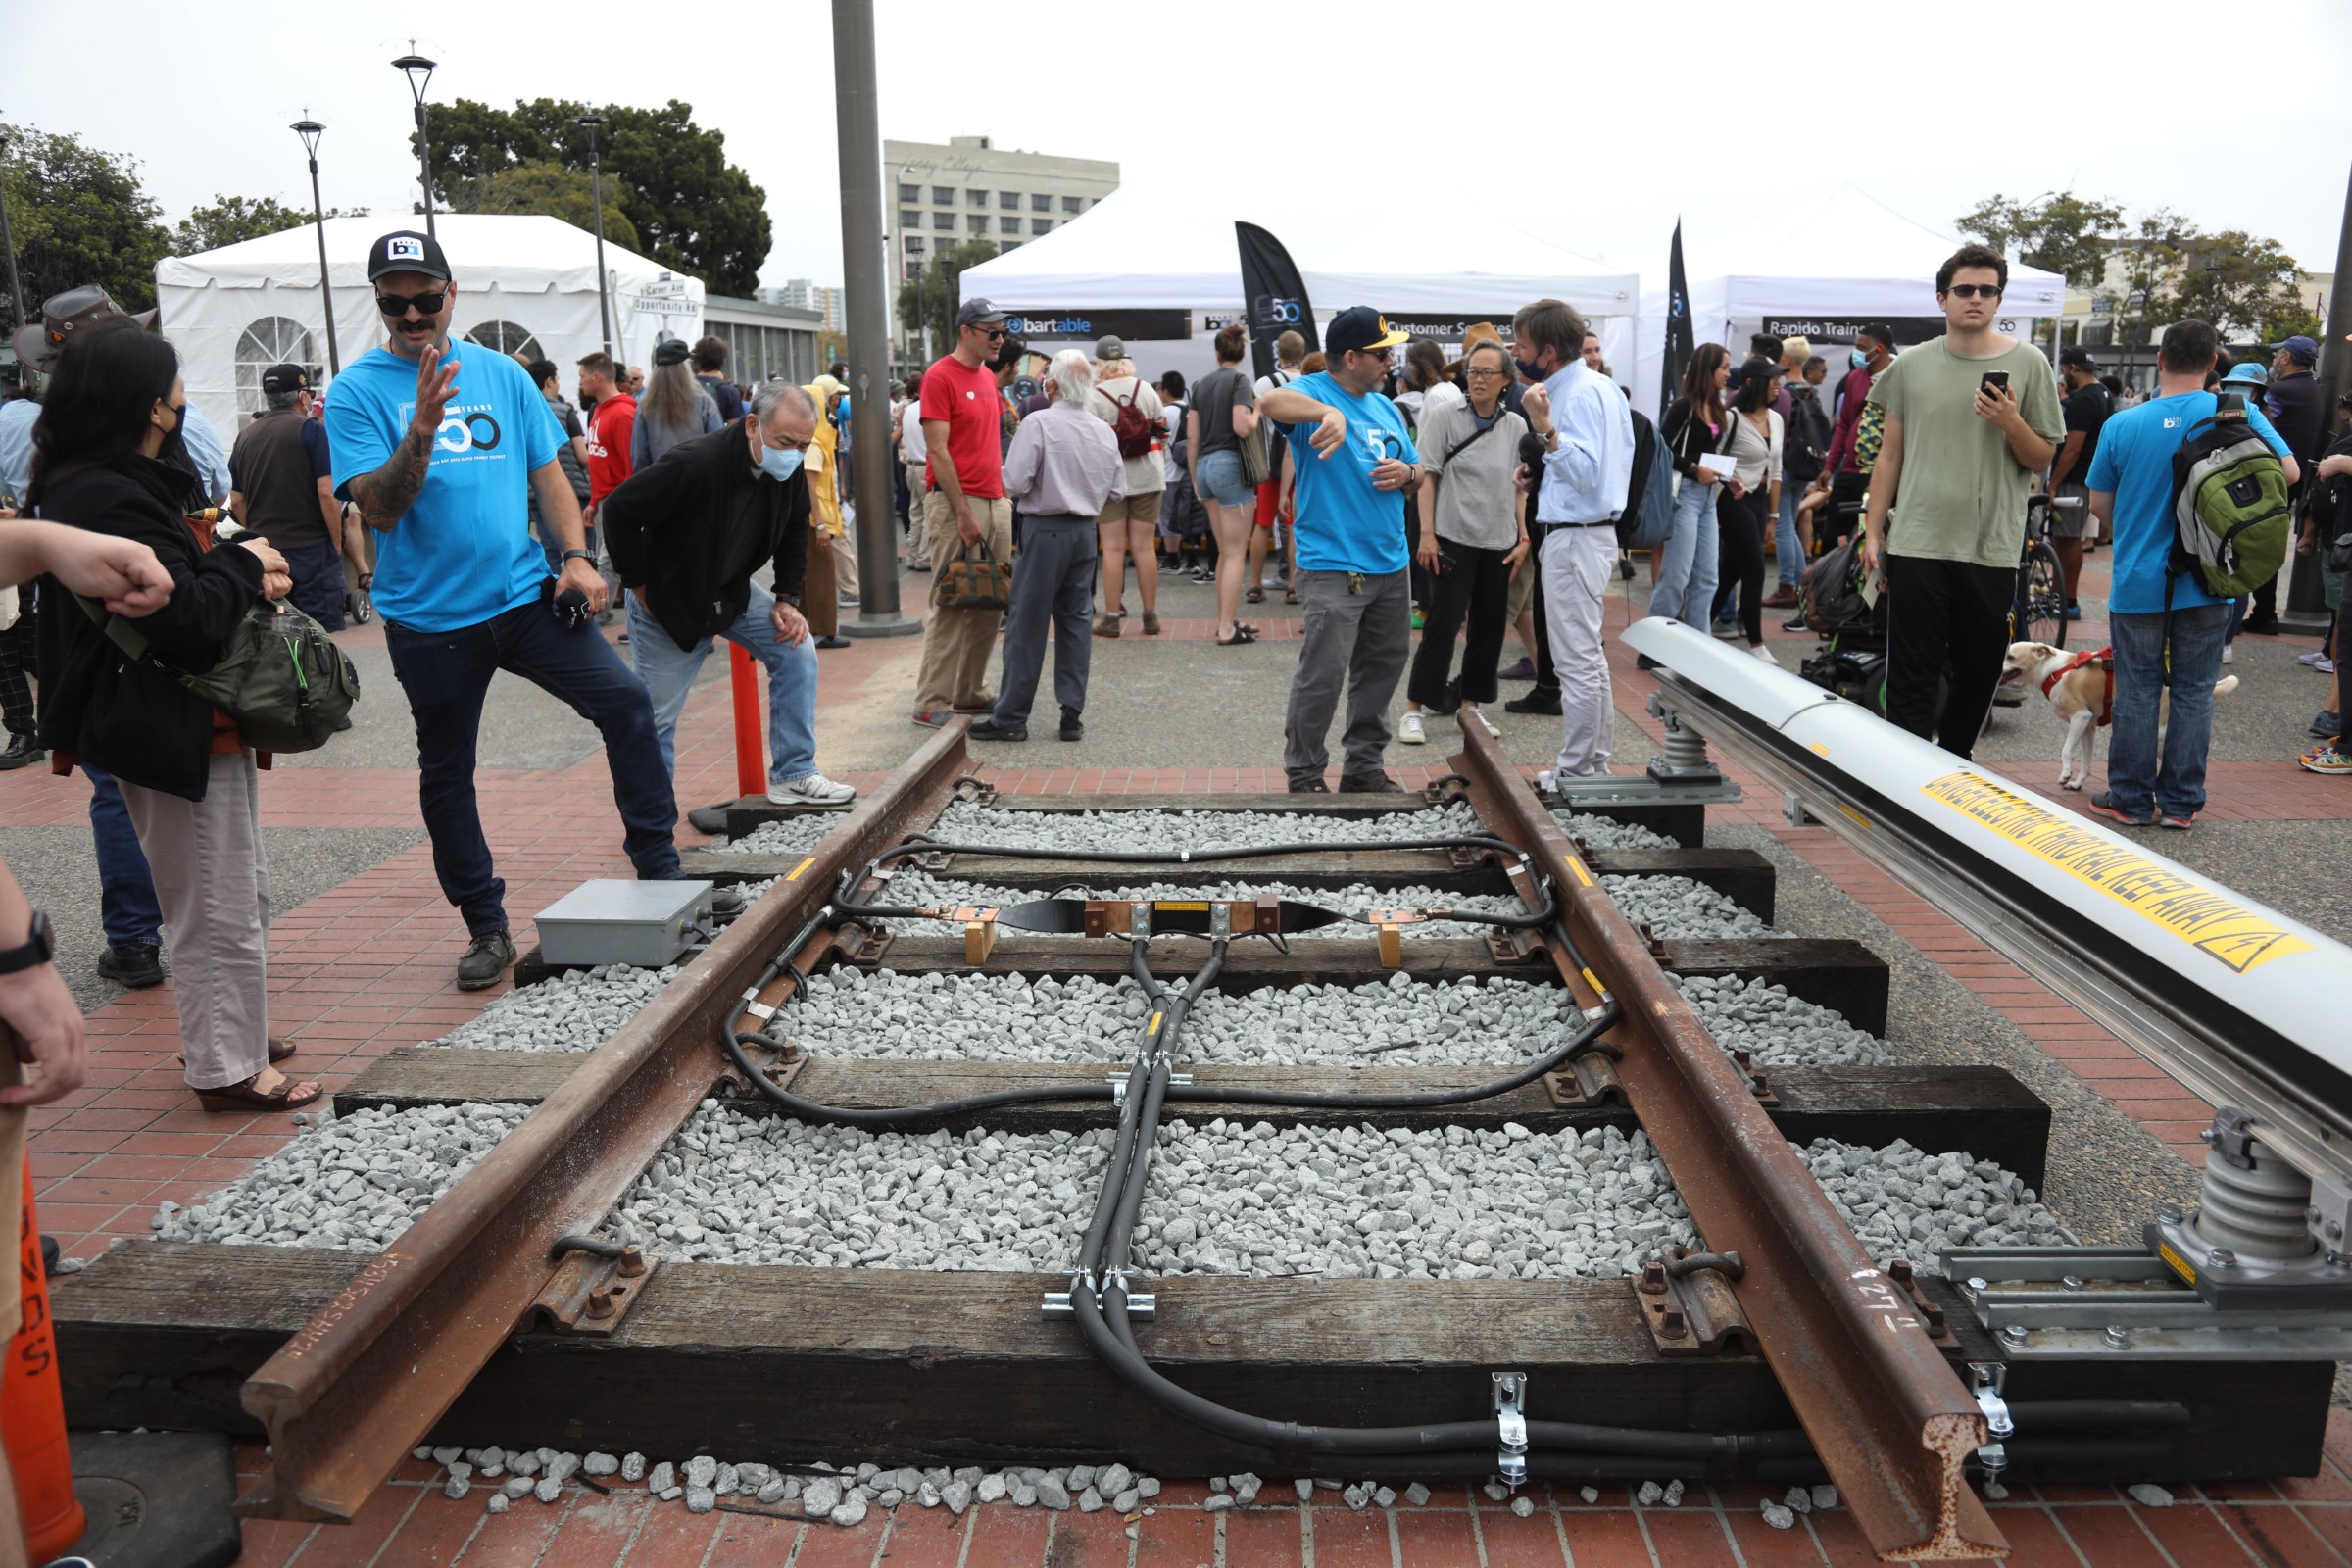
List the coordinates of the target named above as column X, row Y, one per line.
column 2015, row 1336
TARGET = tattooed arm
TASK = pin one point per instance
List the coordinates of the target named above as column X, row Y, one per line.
column 385, row 496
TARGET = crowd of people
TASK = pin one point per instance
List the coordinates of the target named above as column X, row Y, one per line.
column 1390, row 490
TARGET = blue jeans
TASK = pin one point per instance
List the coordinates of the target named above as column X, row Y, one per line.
column 447, row 673
column 126, row 904
column 2136, row 782
column 1785, row 550
column 1684, row 569
column 668, row 673
column 317, row 571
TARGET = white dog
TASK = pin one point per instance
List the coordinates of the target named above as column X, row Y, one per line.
column 2081, row 686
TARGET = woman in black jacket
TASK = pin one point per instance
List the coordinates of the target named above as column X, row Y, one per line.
column 1684, row 569
column 113, row 410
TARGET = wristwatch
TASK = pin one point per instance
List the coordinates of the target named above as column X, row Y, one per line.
column 571, row 555
column 35, row 950
column 794, row 600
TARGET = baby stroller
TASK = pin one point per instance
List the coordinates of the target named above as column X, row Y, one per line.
column 1853, row 658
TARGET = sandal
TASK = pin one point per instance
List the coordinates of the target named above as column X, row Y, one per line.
column 1241, row 634
column 279, row 1051
column 1257, row 596
column 1289, row 596
column 244, row 1097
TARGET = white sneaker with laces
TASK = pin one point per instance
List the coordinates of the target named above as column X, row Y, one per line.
column 1409, row 730
column 1493, row 728
column 811, row 789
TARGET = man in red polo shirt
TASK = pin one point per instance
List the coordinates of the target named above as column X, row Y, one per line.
column 962, row 430
column 611, row 424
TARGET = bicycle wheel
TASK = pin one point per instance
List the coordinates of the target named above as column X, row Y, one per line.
column 2040, row 612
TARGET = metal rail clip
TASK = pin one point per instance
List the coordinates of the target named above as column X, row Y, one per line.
column 864, row 944
column 1588, row 1078
column 1986, row 1380
column 1686, row 1302
column 972, row 787
column 593, row 1288
column 1930, row 1316
column 1510, row 1428
column 1446, row 791
column 1516, row 944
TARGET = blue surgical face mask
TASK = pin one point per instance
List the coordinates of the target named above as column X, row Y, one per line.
column 1531, row 370
column 778, row 463
column 1857, row 359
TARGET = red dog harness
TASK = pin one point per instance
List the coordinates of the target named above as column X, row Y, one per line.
column 2107, row 702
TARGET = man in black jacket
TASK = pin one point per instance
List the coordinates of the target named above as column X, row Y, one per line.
column 686, row 534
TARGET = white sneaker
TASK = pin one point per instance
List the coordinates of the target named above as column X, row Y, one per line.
column 1409, row 729
column 1493, row 728
column 1544, row 781
column 1764, row 653
column 2229, row 653
column 811, row 789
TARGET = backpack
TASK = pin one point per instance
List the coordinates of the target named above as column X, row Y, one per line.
column 1830, row 593
column 1808, row 436
column 2230, row 503
column 1648, row 516
column 280, row 676
column 1131, row 425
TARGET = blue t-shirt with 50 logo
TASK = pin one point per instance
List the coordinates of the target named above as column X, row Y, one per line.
column 463, row 553
column 1345, row 524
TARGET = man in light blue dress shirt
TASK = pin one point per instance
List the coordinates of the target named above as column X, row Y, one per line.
column 1587, row 434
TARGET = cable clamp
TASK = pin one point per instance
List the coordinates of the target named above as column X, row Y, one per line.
column 1510, row 1422
column 1184, row 856
column 755, row 1007
column 1987, row 1381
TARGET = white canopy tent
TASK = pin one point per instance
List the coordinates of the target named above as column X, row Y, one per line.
column 1138, row 251
column 525, row 284
column 1851, row 261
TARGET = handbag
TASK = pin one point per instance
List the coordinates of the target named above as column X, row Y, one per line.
column 280, row 677
column 973, row 579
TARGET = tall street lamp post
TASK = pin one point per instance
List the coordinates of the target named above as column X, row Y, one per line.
column 310, row 130
column 419, row 71
column 596, row 187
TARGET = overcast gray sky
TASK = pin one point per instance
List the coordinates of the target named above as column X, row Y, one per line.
column 1592, row 125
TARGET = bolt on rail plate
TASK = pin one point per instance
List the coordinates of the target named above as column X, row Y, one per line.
column 1694, row 1314
column 589, row 1295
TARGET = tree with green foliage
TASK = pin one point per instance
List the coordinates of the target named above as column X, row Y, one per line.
column 233, row 219
column 2149, row 259
column 544, row 186
column 691, row 209
column 2236, row 280
column 77, row 216
column 927, row 301
column 2057, row 231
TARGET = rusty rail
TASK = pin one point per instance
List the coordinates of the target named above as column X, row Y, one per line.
column 351, row 1394
column 1887, row 1414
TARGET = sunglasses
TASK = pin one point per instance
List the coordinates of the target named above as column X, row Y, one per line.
column 422, row 303
column 1376, row 353
column 994, row 334
column 1975, row 291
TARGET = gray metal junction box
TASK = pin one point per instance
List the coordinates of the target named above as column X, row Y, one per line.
column 610, row 920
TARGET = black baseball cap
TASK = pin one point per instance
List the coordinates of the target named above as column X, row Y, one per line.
column 670, row 351
column 1877, row 332
column 978, row 313
column 407, row 251
column 283, row 378
column 1357, row 328
column 2077, row 356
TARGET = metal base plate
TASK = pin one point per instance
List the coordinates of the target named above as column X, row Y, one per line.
column 2259, row 1283
column 1584, row 793
column 2057, row 1302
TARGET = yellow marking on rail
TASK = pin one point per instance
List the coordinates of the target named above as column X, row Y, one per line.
column 1822, row 747
column 1172, row 904
column 793, row 875
column 1593, row 981
column 1576, row 868
column 1154, row 1027
column 2204, row 918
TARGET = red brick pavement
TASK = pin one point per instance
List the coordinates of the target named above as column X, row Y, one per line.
column 368, row 967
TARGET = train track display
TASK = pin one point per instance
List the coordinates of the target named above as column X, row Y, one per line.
column 1353, row 1138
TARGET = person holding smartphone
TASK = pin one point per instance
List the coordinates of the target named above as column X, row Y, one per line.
column 1970, row 417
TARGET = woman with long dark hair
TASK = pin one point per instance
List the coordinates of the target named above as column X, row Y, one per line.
column 114, row 404
column 1752, row 497
column 1684, row 569
column 1223, row 414
column 674, row 408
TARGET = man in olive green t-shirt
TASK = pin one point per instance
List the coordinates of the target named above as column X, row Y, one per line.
column 1957, row 463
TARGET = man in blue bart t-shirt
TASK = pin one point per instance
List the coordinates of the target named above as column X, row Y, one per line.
column 2148, row 606
column 440, row 445
column 1355, row 463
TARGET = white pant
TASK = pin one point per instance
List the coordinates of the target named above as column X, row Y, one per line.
column 1577, row 566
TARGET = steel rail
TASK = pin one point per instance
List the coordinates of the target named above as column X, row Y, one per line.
column 1888, row 1416
column 348, row 1396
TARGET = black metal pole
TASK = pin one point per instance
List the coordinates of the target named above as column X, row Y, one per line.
column 596, row 188
column 424, row 171
column 327, row 289
column 867, row 309
column 2333, row 350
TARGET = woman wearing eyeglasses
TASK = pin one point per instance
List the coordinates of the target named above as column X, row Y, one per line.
column 1472, row 534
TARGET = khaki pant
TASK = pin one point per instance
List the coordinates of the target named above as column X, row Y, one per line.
column 956, row 641
column 821, row 592
column 844, row 562
column 213, row 888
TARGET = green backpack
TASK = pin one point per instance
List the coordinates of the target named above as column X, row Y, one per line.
column 280, row 676
column 2231, row 512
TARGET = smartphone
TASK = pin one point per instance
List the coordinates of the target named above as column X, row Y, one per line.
column 1995, row 381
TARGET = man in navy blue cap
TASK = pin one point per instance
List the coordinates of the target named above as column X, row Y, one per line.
column 1355, row 463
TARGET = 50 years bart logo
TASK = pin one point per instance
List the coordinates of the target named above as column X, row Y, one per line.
column 463, row 430
column 2241, row 938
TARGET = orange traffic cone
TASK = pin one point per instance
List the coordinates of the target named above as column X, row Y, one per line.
column 33, row 1410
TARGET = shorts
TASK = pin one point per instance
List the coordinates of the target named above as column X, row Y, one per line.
column 1132, row 509
column 1523, row 590
column 2073, row 522
column 1221, row 477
